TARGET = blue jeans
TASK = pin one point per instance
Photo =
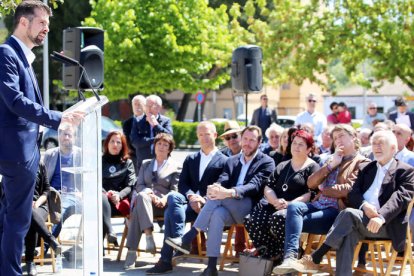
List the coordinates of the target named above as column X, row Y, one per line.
column 304, row 217
column 71, row 204
column 177, row 213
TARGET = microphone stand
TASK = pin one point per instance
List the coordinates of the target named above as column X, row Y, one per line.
column 72, row 62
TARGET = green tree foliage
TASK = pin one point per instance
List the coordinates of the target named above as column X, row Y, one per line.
column 301, row 39
column 7, row 6
column 162, row 45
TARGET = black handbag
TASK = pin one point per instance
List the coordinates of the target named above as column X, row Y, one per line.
column 254, row 265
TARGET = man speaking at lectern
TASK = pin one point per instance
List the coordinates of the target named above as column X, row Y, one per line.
column 21, row 113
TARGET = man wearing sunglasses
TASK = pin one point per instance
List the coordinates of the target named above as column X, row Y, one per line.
column 311, row 116
column 231, row 138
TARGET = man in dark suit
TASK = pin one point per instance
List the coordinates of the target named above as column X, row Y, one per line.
column 263, row 117
column 145, row 129
column 231, row 198
column 378, row 200
column 199, row 170
column 21, row 113
column 138, row 110
column 401, row 115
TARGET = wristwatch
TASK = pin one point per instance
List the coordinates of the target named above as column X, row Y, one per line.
column 233, row 193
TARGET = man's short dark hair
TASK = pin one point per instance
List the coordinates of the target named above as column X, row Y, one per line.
column 253, row 128
column 27, row 9
column 332, row 105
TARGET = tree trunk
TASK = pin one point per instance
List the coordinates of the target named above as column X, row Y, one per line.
column 183, row 107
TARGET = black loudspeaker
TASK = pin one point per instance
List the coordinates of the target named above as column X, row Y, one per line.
column 86, row 45
column 246, row 69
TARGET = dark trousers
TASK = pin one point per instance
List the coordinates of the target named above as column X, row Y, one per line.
column 16, row 211
column 348, row 229
column 38, row 226
column 108, row 210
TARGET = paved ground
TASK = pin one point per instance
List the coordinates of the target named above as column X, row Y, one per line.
column 145, row 261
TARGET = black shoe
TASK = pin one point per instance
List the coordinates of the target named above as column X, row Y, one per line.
column 112, row 239
column 160, row 268
column 177, row 244
column 210, row 272
column 55, row 246
column 31, row 269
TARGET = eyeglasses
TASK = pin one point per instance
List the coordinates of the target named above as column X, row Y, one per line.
column 311, row 101
column 234, row 136
column 372, row 108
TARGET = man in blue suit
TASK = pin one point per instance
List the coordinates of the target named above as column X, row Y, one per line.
column 239, row 187
column 21, row 113
column 145, row 129
column 199, row 170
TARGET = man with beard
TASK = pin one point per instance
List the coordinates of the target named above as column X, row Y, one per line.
column 231, row 198
column 21, row 113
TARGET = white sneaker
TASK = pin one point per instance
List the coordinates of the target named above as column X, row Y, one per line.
column 285, row 267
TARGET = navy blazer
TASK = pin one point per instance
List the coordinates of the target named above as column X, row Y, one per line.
column 141, row 138
column 393, row 117
column 189, row 182
column 396, row 192
column 21, row 110
column 260, row 169
column 271, row 117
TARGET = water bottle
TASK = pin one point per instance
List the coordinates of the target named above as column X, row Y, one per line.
column 59, row 265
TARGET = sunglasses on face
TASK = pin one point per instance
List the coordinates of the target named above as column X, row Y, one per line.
column 372, row 108
column 311, row 101
column 234, row 136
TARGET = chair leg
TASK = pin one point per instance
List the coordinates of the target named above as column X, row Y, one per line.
column 122, row 245
column 227, row 247
column 373, row 261
column 391, row 263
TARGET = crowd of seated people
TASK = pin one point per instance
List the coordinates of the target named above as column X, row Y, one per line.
column 299, row 181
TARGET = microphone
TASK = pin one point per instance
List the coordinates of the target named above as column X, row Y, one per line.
column 64, row 59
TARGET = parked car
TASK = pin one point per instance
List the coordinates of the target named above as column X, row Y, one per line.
column 285, row 121
column 50, row 136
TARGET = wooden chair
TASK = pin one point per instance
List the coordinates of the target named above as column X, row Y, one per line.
column 408, row 252
column 124, row 236
column 379, row 253
column 314, row 241
column 228, row 248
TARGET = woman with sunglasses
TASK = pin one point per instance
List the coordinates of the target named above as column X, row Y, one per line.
column 266, row 223
column 156, row 178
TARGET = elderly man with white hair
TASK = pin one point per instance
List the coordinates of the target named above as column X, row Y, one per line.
column 145, row 129
column 138, row 110
column 372, row 117
column 378, row 203
column 273, row 133
column 403, row 134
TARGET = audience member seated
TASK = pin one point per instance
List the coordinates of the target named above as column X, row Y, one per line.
column 283, row 154
column 231, row 198
column 40, row 213
column 199, row 170
column 55, row 160
column 334, row 180
column 118, row 179
column 231, row 138
column 157, row 177
column 285, row 185
column 273, row 134
column 378, row 203
column 403, row 134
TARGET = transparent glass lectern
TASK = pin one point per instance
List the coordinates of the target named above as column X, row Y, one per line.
column 81, row 192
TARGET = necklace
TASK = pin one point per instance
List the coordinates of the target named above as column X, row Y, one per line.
column 285, row 185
